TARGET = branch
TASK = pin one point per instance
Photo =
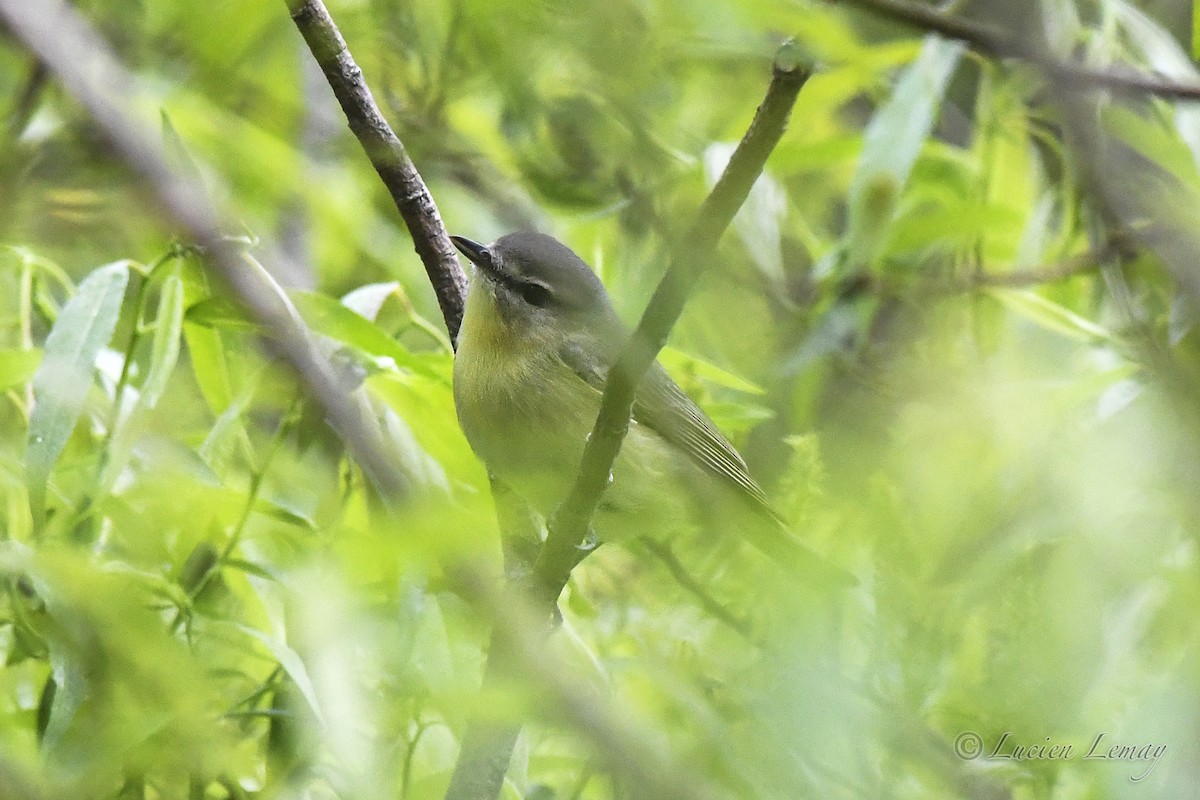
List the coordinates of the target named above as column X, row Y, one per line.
column 989, row 41
column 64, row 41
column 388, row 157
column 691, row 255
column 666, row 555
column 1082, row 264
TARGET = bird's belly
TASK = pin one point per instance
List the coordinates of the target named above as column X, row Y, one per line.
column 528, row 436
column 532, row 438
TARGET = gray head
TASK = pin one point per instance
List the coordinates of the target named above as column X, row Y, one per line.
column 535, row 278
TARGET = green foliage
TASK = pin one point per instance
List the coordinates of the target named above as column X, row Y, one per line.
column 202, row 596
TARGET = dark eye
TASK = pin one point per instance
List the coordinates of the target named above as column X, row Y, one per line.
column 535, row 294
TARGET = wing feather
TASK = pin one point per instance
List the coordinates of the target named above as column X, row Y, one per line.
column 664, row 408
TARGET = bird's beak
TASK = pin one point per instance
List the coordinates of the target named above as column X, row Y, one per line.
column 474, row 251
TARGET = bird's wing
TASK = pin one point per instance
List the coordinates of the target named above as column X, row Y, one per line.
column 663, row 407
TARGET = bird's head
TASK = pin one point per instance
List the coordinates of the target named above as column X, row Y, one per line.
column 535, row 287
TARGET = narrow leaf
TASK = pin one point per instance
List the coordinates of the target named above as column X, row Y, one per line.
column 1050, row 315
column 292, row 664
column 680, row 364
column 329, row 317
column 894, row 139
column 366, row 301
column 64, row 377
column 164, row 353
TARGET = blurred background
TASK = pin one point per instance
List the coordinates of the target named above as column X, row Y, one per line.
column 947, row 331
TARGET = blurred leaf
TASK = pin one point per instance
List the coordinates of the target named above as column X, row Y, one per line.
column 366, row 301
column 64, row 377
column 1155, row 142
column 168, row 328
column 682, row 365
column 228, row 433
column 1196, row 30
column 288, row 515
column 17, row 367
column 892, row 142
column 1050, row 315
column 760, row 218
column 177, row 155
column 199, row 564
column 1164, row 56
column 206, row 351
column 292, row 664
column 220, row 312
column 329, row 317
column 250, row 569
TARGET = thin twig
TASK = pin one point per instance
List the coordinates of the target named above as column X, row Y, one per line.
column 989, row 41
column 1086, row 263
column 1082, row 264
column 388, row 157
column 75, row 53
column 691, row 255
column 666, row 555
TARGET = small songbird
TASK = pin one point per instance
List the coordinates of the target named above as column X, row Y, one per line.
column 538, row 336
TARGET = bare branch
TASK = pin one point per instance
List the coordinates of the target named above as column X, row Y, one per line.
column 388, row 156
column 691, row 255
column 1085, row 263
column 71, row 49
column 991, row 42
column 663, row 552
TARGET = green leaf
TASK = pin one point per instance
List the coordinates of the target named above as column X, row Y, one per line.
column 329, row 317
column 292, row 664
column 250, row 568
column 1050, row 315
column 168, row 327
column 177, row 152
column 17, row 367
column 893, row 141
column 761, row 216
column 206, row 352
column 290, row 516
column 368, row 300
column 64, row 377
column 228, row 432
column 1196, row 30
column 681, row 364
column 219, row 312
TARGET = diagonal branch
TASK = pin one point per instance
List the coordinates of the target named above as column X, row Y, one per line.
column 388, row 156
column 69, row 47
column 989, row 41
column 692, row 254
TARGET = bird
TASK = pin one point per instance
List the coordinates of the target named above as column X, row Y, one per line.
column 538, row 336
